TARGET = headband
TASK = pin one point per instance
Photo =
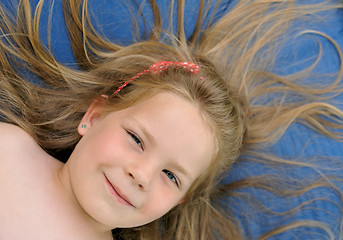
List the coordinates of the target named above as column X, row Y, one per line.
column 161, row 67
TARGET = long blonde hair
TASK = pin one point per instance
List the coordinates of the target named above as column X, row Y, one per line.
column 234, row 54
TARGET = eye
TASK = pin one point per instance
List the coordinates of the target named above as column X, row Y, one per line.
column 172, row 177
column 136, row 139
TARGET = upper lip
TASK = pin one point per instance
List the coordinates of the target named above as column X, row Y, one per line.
column 123, row 196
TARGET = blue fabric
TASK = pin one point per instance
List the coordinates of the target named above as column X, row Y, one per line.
column 114, row 22
column 303, row 143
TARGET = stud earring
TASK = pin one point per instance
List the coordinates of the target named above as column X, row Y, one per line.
column 83, row 125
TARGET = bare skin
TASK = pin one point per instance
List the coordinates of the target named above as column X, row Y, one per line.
column 28, row 177
column 43, row 198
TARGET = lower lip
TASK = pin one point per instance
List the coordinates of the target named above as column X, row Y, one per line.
column 116, row 195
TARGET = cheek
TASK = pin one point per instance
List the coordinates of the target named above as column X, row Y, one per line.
column 161, row 204
column 108, row 149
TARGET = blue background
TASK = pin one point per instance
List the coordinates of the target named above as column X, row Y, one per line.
column 113, row 20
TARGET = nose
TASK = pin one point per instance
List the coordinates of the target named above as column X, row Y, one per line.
column 141, row 175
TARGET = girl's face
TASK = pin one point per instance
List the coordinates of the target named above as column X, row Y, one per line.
column 132, row 166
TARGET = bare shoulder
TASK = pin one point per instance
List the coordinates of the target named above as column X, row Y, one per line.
column 15, row 143
column 12, row 135
column 10, row 130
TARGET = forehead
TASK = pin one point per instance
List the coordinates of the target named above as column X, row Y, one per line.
column 178, row 129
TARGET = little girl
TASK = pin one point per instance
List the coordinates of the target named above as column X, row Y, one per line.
column 149, row 130
column 130, row 168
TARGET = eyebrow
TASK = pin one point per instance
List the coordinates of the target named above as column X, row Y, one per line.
column 183, row 171
column 144, row 131
column 151, row 139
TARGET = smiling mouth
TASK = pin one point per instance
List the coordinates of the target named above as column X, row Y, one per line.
column 121, row 199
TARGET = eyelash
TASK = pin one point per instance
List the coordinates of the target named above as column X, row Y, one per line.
column 169, row 174
column 176, row 181
column 136, row 139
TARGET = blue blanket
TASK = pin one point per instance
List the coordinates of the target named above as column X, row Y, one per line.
column 299, row 141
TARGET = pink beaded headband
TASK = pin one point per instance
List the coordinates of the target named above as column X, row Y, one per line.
column 161, row 67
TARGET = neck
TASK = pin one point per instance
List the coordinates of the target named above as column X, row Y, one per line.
column 76, row 214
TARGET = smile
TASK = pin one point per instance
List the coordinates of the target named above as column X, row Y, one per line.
column 117, row 194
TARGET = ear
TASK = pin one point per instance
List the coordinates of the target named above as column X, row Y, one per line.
column 93, row 113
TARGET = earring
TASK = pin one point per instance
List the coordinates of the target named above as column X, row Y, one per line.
column 83, row 125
